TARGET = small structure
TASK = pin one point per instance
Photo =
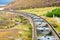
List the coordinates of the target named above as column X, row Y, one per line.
column 43, row 30
column 38, row 20
column 56, row 18
column 41, row 24
column 46, row 38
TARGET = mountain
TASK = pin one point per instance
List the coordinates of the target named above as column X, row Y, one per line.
column 25, row 4
column 5, row 2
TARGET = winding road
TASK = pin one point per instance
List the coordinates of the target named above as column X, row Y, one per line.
column 40, row 25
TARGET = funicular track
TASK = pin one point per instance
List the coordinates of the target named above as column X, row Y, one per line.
column 39, row 26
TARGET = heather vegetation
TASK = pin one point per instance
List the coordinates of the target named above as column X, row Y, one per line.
column 14, row 25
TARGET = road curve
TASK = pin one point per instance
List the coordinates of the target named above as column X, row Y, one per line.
column 36, row 20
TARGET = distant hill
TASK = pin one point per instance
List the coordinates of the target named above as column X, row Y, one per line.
column 25, row 4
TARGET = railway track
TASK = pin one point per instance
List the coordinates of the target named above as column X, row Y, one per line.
column 41, row 26
column 42, row 29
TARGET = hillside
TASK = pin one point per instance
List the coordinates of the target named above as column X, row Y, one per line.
column 23, row 4
column 42, row 13
column 14, row 27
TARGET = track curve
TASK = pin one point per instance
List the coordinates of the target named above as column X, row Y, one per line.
column 38, row 22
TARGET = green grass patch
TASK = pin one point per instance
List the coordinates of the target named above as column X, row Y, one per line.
column 55, row 12
column 38, row 11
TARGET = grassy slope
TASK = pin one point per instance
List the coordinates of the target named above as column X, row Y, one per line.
column 54, row 23
column 23, row 30
column 38, row 11
column 41, row 12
